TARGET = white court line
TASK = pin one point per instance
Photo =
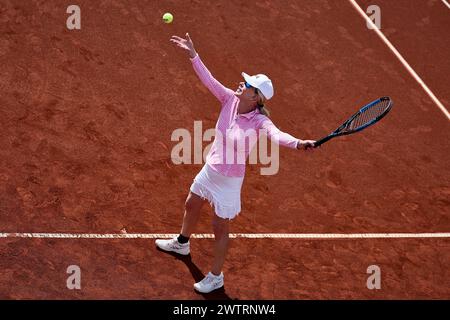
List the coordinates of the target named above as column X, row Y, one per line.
column 446, row 3
column 232, row 235
column 402, row 60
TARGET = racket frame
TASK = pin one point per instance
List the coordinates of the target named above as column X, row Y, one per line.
column 338, row 132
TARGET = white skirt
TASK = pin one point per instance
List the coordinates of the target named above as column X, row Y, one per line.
column 222, row 192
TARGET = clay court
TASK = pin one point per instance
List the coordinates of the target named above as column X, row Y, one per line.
column 85, row 149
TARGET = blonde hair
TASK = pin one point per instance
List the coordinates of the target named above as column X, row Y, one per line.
column 261, row 104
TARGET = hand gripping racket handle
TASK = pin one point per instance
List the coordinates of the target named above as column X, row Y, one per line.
column 323, row 140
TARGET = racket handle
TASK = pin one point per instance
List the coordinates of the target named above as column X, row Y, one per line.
column 321, row 141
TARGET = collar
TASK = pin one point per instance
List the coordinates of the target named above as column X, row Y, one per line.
column 250, row 114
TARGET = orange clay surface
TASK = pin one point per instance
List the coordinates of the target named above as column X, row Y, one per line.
column 86, row 118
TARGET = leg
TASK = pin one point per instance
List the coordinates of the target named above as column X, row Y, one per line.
column 192, row 205
column 191, row 214
column 221, row 229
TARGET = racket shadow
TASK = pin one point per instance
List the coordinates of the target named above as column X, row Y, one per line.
column 198, row 275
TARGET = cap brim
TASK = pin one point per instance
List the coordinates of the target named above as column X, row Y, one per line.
column 248, row 78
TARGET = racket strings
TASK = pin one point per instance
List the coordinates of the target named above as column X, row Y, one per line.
column 368, row 115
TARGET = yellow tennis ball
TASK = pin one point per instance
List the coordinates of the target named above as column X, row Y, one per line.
column 168, row 17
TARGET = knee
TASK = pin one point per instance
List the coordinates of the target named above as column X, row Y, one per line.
column 220, row 227
column 190, row 204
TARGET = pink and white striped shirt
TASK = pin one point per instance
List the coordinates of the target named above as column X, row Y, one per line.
column 231, row 128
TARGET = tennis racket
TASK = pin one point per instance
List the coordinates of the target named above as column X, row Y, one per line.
column 365, row 117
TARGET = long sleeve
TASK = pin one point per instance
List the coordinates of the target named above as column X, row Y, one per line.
column 217, row 89
column 275, row 134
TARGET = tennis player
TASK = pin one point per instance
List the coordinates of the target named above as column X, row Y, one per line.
column 219, row 182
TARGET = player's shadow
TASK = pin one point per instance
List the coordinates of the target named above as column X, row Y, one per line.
column 198, row 275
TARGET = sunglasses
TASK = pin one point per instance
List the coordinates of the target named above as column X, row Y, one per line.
column 248, row 86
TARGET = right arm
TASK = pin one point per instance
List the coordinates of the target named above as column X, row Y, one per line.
column 214, row 86
column 283, row 138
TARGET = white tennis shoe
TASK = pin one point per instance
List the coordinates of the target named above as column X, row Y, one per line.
column 173, row 245
column 209, row 283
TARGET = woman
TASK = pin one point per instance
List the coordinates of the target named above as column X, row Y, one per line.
column 220, row 179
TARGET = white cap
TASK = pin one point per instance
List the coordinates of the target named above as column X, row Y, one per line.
column 261, row 82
